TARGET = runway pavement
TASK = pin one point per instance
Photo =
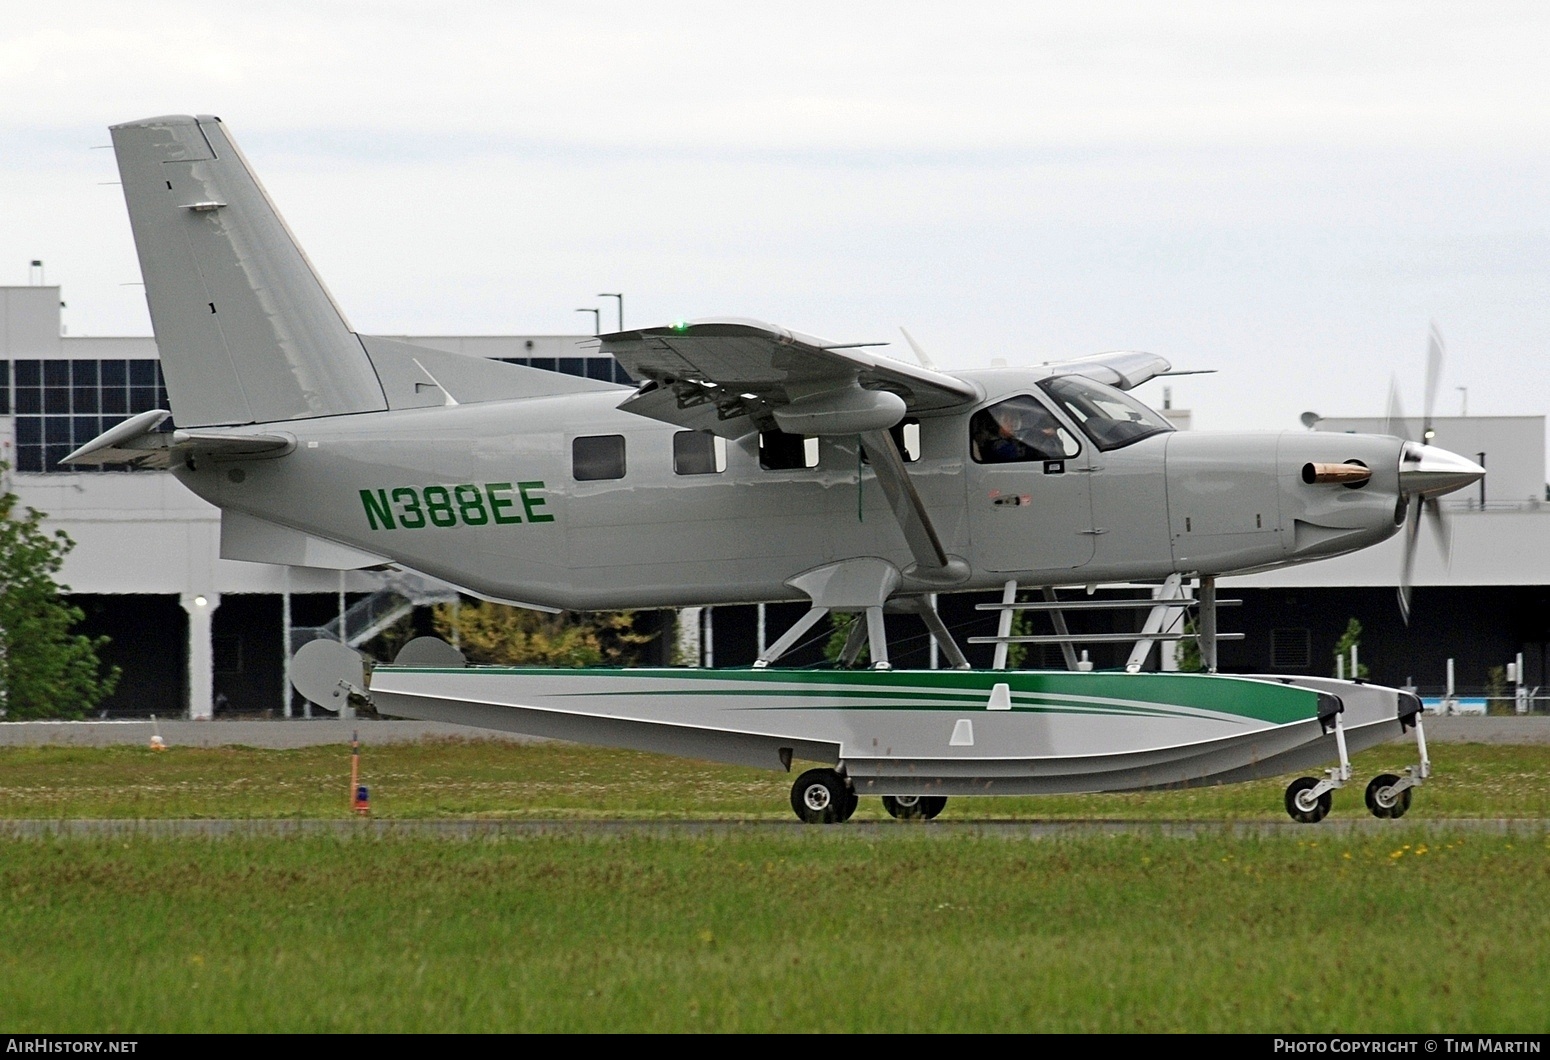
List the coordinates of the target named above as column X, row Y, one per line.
column 282, row 733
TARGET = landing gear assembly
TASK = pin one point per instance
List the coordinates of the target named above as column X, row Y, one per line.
column 914, row 807
column 826, row 796
column 1388, row 796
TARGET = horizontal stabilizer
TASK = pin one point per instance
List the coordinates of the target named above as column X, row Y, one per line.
column 420, row 377
column 138, row 442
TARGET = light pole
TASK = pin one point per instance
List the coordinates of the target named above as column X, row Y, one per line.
column 597, row 319
column 620, row 297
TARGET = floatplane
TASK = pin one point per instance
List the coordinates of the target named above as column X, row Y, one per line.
column 751, row 463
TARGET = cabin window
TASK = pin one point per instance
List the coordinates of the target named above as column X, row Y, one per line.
column 906, row 435
column 698, row 453
column 1018, row 430
column 597, row 457
column 779, row 451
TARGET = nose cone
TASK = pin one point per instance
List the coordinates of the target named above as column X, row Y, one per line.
column 1430, row 472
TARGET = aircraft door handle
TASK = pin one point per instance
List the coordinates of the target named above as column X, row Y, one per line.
column 1094, row 531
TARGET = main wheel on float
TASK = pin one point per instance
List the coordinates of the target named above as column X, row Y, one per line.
column 1303, row 806
column 821, row 796
column 914, row 807
column 1391, row 806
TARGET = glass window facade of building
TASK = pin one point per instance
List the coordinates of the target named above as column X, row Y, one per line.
column 605, row 368
column 60, row 405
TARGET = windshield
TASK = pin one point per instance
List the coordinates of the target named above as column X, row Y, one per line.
column 1111, row 418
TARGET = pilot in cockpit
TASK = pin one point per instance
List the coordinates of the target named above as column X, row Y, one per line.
column 1017, row 430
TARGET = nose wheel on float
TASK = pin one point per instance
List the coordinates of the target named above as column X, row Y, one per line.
column 1388, row 796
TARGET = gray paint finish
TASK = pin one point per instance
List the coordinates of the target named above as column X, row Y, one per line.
column 246, row 330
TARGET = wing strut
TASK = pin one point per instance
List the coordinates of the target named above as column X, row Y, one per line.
column 931, row 562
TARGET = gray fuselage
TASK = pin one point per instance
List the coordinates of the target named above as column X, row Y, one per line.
column 483, row 495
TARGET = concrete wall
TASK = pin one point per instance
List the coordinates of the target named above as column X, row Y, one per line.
column 1514, row 448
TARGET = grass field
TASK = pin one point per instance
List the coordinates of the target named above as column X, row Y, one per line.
column 783, row 932
column 908, row 928
column 485, row 778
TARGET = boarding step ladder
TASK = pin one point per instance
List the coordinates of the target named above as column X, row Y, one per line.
column 1167, row 611
column 399, row 594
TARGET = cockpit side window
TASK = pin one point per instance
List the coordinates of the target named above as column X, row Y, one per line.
column 1016, row 430
column 1111, row 418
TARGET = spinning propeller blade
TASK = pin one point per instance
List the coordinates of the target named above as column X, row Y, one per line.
column 1407, row 565
column 1423, row 472
column 1433, row 377
column 1394, row 416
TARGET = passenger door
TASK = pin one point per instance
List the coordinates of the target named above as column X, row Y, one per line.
column 1029, row 495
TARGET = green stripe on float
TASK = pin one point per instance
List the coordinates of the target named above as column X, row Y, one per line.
column 1152, row 693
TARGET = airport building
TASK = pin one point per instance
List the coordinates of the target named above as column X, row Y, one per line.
column 195, row 634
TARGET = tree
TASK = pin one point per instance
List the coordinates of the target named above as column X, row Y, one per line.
column 515, row 636
column 46, row 671
column 1351, row 638
column 1186, row 652
column 841, row 623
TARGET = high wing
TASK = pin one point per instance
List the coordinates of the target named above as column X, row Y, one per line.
column 731, row 376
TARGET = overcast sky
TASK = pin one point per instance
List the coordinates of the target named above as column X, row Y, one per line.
column 1287, row 194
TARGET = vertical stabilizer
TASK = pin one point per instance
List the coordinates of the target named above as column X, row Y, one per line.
column 246, row 330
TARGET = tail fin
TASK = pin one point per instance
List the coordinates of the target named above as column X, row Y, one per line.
column 246, row 330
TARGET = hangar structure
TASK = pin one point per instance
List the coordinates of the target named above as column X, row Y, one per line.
column 197, row 635
column 191, row 631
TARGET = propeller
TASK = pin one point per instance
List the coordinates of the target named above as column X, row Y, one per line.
column 1425, row 473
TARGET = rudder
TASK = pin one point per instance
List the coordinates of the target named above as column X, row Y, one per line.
column 246, row 330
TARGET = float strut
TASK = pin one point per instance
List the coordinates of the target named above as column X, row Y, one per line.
column 790, row 637
column 1004, row 624
column 1208, row 623
column 877, row 639
column 938, row 630
column 1067, row 649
